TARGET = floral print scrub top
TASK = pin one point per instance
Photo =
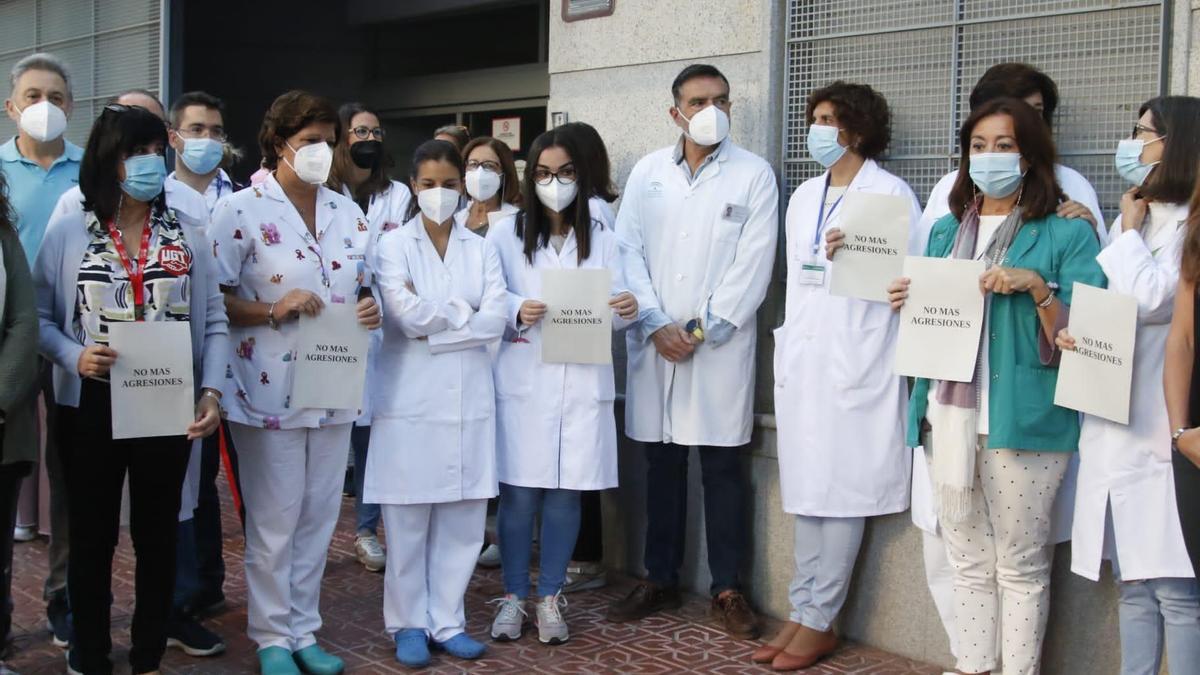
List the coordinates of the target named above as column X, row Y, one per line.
column 263, row 250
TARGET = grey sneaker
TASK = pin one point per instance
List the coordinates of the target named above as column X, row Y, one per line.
column 510, row 618
column 552, row 628
column 370, row 552
column 585, row 576
column 489, row 557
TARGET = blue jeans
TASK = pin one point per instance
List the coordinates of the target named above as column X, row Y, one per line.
column 368, row 514
column 560, row 526
column 1151, row 609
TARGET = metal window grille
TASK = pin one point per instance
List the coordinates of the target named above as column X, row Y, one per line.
column 108, row 45
column 1106, row 56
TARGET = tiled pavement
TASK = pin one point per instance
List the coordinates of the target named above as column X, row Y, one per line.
column 683, row 641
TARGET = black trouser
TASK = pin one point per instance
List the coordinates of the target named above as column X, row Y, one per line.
column 589, row 545
column 666, row 512
column 1187, row 497
column 10, row 488
column 209, row 560
column 95, row 466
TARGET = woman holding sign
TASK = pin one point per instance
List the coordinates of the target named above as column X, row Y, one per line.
column 1126, row 484
column 998, row 445
column 124, row 259
column 556, row 434
column 841, row 408
column 285, row 248
column 432, row 463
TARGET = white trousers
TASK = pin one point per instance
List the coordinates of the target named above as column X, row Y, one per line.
column 292, row 490
column 825, row 551
column 431, row 555
column 1001, row 559
column 939, row 576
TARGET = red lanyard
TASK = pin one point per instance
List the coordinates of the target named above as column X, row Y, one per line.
column 138, row 273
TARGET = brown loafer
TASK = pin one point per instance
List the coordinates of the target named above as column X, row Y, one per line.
column 645, row 599
column 731, row 609
column 767, row 653
column 806, row 648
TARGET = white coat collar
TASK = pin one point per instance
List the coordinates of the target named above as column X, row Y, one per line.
column 326, row 204
column 416, row 229
column 862, row 180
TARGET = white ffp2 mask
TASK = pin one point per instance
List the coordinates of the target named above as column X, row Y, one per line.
column 312, row 162
column 556, row 196
column 43, row 121
column 482, row 184
column 707, row 127
column 438, row 204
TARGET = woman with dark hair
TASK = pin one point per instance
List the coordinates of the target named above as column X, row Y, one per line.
column 18, row 392
column 287, row 247
column 1125, row 475
column 124, row 257
column 491, row 183
column 360, row 172
column 998, row 447
column 556, row 434
column 841, row 427
column 454, row 134
column 595, row 154
column 432, row 463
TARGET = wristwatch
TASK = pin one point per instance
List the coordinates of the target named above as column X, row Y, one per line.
column 271, row 322
column 1175, row 435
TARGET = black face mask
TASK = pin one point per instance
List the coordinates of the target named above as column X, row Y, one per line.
column 366, row 154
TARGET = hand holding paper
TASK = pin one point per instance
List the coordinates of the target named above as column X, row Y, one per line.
column 868, row 247
column 1096, row 372
column 577, row 327
column 331, row 360
column 941, row 318
column 151, row 383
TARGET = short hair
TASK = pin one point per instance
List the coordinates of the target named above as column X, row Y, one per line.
column 1040, row 192
column 692, row 72
column 533, row 227
column 861, row 111
column 288, row 114
column 376, row 183
column 458, row 132
column 138, row 90
column 1174, row 178
column 40, row 61
column 115, row 134
column 192, row 98
column 596, row 155
column 508, row 166
column 431, row 151
column 1016, row 80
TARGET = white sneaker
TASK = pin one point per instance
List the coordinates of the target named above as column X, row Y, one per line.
column 552, row 628
column 370, row 552
column 23, row 533
column 510, row 618
column 490, row 556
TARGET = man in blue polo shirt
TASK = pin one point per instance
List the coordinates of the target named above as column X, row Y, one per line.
column 40, row 165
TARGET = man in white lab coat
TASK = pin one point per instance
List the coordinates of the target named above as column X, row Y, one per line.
column 697, row 228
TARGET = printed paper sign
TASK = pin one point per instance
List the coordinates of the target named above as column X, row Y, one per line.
column 577, row 327
column 331, row 360
column 941, row 321
column 1097, row 377
column 876, row 228
column 151, row 380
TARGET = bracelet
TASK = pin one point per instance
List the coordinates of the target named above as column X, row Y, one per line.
column 1048, row 301
column 271, row 322
column 211, row 393
column 1176, row 435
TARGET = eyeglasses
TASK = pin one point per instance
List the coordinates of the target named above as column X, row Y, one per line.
column 201, row 131
column 565, row 175
column 364, row 132
column 1142, row 129
column 485, row 164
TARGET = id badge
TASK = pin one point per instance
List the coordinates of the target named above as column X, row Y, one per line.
column 812, row 272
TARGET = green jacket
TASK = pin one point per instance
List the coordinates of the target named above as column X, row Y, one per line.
column 18, row 355
column 1021, row 410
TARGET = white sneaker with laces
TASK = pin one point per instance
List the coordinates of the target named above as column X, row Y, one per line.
column 370, row 552
column 23, row 533
column 510, row 618
column 552, row 628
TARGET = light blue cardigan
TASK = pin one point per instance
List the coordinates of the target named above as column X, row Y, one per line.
column 56, row 273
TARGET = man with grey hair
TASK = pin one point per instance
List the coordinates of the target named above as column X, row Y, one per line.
column 40, row 165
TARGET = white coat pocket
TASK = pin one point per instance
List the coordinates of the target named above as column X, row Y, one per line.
column 516, row 367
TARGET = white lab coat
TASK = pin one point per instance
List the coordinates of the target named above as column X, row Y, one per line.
column 1073, row 185
column 690, row 249
column 434, row 432
column 385, row 212
column 839, row 408
column 1128, row 468
column 555, row 426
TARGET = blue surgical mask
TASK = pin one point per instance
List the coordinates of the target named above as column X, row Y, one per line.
column 144, row 176
column 996, row 174
column 202, row 155
column 1129, row 160
column 823, row 145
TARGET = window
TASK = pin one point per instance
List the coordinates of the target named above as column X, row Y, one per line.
column 108, row 45
column 576, row 10
column 1106, row 56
